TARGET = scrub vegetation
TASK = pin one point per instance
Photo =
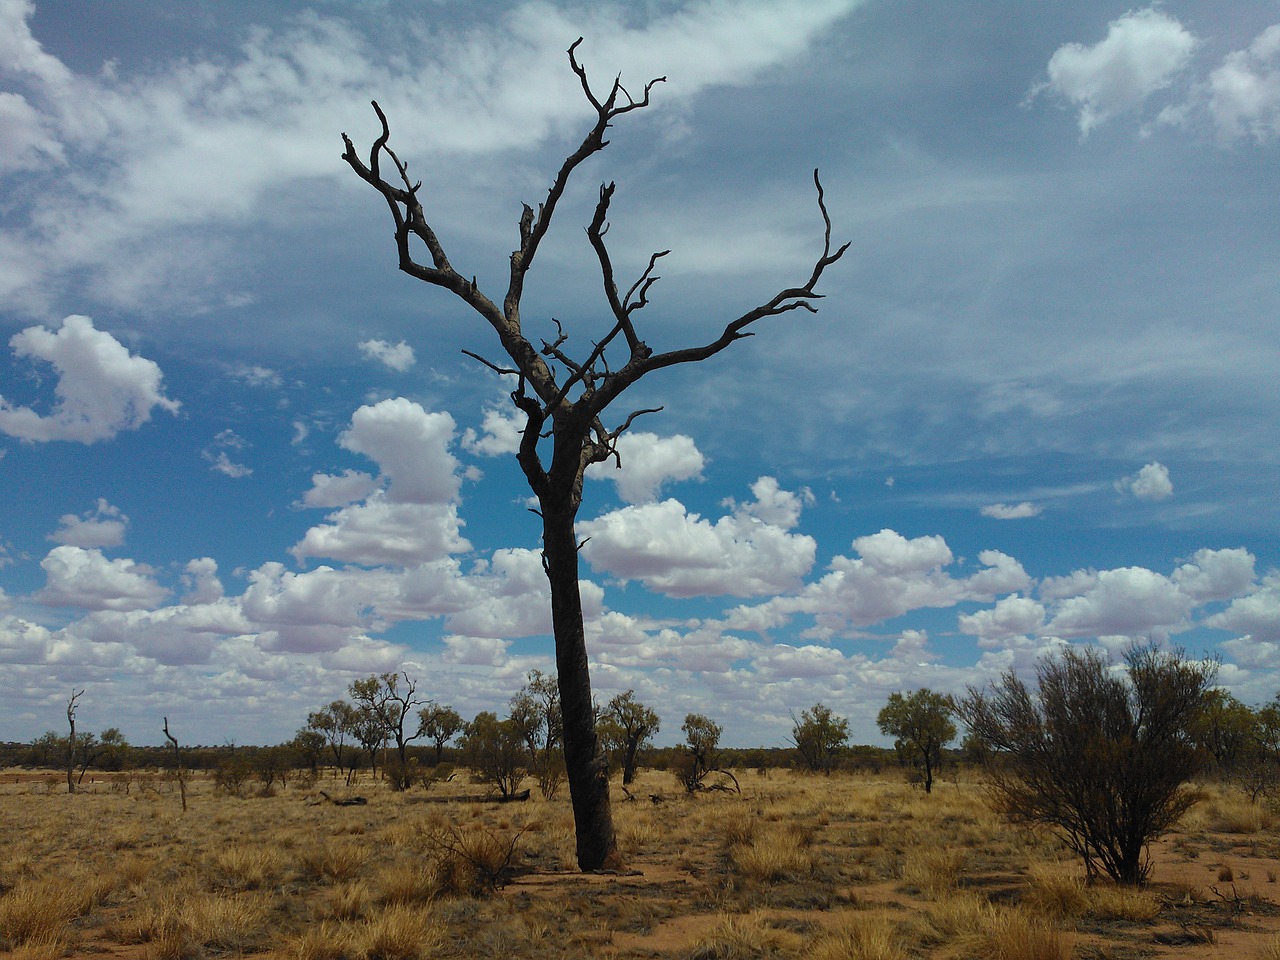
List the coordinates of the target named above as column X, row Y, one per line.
column 854, row 864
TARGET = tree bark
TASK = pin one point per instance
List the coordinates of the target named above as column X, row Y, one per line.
column 585, row 764
column 629, row 759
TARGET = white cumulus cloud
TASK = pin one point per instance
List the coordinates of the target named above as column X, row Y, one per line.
column 381, row 531
column 411, row 446
column 1150, row 483
column 102, row 388
column 649, row 461
column 1256, row 614
column 501, row 434
column 1141, row 54
column 1012, row 616
column 337, row 490
column 397, row 356
column 682, row 554
column 409, row 514
column 103, row 526
column 1125, row 602
column 78, row 577
column 891, row 575
column 1244, row 92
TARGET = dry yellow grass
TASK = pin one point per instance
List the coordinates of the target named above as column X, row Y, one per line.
column 1014, row 935
column 934, row 871
column 868, row 937
column 745, row 937
column 847, row 867
column 1057, row 892
column 37, row 912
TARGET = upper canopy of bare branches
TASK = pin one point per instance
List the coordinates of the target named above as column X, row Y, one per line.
column 553, row 386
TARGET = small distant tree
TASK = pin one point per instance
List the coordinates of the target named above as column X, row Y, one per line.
column 336, row 723
column 536, row 714
column 88, row 749
column 1100, row 756
column 921, row 726
column 627, row 726
column 1244, row 743
column 819, row 736
column 47, row 750
column 1263, row 775
column 702, row 738
column 233, row 772
column 370, row 733
column 384, row 699
column 310, row 746
column 115, row 749
column 1227, row 731
column 273, row 765
column 440, row 724
column 496, row 752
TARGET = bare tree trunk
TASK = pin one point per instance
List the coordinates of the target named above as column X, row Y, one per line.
column 71, row 739
column 177, row 755
column 585, row 763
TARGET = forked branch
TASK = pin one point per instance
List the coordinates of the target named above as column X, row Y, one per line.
column 542, row 395
column 784, row 301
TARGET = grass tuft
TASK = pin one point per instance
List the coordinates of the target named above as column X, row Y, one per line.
column 40, row 911
column 1056, row 894
column 334, row 862
column 745, row 937
column 397, row 933
column 1122, row 903
column 1014, row 935
column 772, row 854
column 935, row 871
column 862, row 938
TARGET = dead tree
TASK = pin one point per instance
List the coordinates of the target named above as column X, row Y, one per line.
column 71, row 739
column 177, row 757
column 564, row 398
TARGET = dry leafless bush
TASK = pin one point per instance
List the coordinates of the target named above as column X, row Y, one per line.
column 488, row 853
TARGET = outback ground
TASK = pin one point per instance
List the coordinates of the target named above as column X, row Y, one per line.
column 846, row 867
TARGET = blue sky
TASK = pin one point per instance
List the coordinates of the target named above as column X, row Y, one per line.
column 247, row 462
